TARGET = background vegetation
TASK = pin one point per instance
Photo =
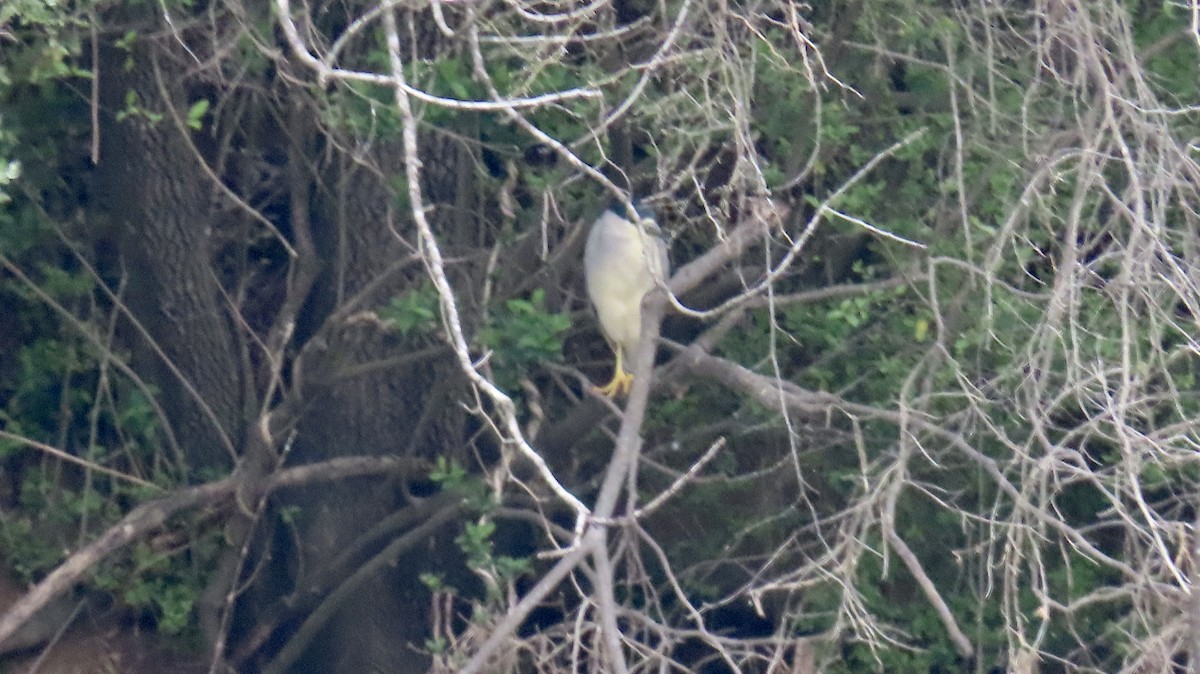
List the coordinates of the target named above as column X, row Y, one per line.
column 295, row 360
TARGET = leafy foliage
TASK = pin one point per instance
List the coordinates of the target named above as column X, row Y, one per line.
column 415, row 312
column 64, row 384
column 521, row 335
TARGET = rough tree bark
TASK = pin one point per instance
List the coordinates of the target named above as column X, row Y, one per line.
column 162, row 208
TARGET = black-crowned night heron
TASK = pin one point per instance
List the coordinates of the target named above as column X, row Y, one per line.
column 621, row 261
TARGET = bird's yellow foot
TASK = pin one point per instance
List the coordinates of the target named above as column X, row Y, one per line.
column 620, row 385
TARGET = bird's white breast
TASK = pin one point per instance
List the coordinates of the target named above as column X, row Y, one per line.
column 619, row 275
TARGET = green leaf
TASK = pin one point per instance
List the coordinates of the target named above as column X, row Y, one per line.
column 196, row 114
column 415, row 312
column 521, row 335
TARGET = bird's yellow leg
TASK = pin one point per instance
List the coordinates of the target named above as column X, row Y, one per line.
column 621, row 382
